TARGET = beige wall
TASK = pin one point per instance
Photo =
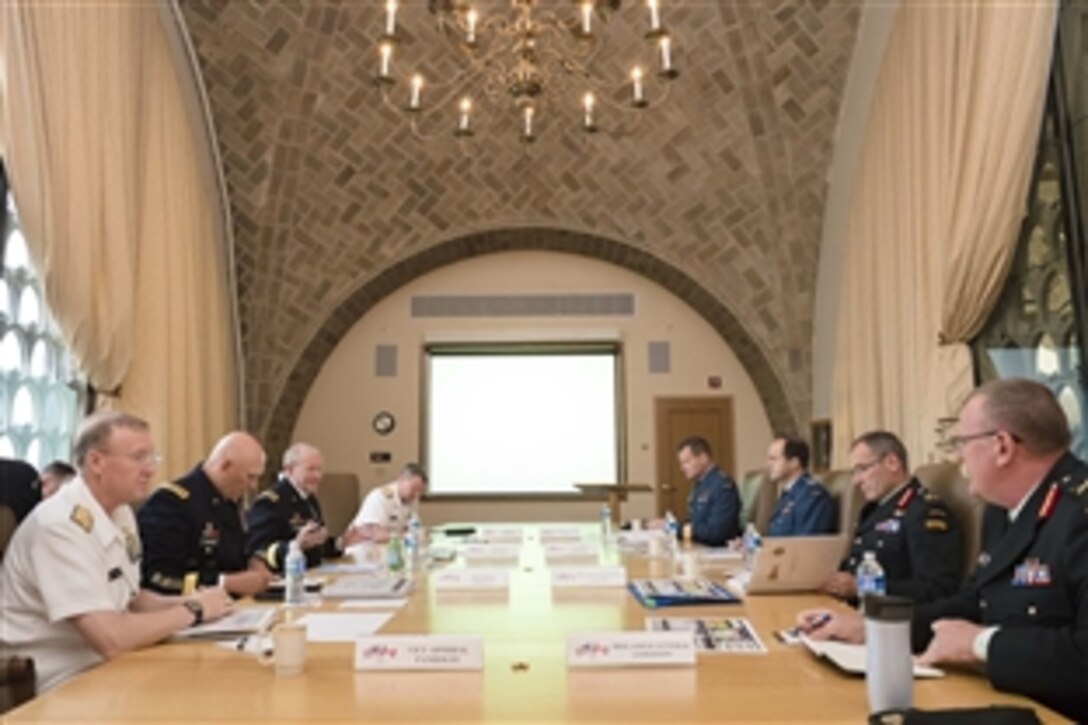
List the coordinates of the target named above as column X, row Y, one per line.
column 346, row 395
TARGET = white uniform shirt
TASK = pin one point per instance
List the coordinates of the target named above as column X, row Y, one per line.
column 383, row 506
column 67, row 558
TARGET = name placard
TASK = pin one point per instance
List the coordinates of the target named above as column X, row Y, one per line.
column 491, row 551
column 630, row 649
column 420, row 652
column 589, row 576
column 501, row 534
column 571, row 550
column 471, row 579
column 560, row 533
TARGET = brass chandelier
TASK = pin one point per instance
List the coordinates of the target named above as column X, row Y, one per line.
column 524, row 63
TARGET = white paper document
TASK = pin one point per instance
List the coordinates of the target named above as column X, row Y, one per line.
column 359, row 567
column 244, row 620
column 366, row 587
column 342, row 626
column 851, row 657
column 373, row 603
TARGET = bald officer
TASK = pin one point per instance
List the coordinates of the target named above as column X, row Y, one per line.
column 192, row 528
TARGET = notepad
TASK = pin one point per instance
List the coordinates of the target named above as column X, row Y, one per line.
column 851, row 657
column 364, row 587
column 245, row 620
column 342, row 626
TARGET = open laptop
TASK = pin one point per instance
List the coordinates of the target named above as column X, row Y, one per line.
column 793, row 564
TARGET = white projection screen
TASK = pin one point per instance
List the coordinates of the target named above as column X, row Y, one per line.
column 521, row 419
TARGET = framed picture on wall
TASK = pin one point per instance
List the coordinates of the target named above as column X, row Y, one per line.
column 821, row 445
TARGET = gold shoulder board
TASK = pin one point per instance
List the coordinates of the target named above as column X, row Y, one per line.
column 82, row 517
column 176, row 490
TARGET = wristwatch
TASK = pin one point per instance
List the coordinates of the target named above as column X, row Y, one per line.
column 196, row 609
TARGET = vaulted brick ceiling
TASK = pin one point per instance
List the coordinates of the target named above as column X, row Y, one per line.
column 721, row 192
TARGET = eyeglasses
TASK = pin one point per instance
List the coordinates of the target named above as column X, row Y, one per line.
column 148, row 458
column 863, row 467
column 956, row 443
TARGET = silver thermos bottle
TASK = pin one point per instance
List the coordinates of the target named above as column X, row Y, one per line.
column 889, row 667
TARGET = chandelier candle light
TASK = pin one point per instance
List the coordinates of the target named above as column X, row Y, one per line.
column 539, row 63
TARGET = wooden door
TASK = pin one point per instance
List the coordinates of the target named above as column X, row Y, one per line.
column 675, row 420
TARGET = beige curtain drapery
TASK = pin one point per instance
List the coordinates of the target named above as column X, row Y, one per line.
column 72, row 102
column 939, row 194
column 119, row 214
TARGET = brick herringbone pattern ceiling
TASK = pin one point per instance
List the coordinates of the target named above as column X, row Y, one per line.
column 328, row 188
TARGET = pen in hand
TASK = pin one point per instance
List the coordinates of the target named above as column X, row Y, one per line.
column 812, row 625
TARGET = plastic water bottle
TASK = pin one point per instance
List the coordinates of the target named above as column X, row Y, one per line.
column 672, row 530
column 870, row 578
column 294, row 574
column 415, row 533
column 606, row 520
column 752, row 542
column 394, row 554
column 411, row 552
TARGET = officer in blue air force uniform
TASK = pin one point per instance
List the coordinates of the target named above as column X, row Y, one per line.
column 917, row 541
column 289, row 511
column 191, row 529
column 714, row 504
column 805, row 508
column 1022, row 615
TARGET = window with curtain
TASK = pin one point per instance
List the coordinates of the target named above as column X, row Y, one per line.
column 1036, row 330
column 38, row 398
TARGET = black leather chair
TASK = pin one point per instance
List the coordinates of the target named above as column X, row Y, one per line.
column 18, row 682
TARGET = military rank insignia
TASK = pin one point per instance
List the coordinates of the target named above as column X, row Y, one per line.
column 209, row 537
column 936, row 525
column 1032, row 573
column 82, row 517
column 132, row 546
column 890, row 526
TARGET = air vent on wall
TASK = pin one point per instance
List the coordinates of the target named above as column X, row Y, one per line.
column 558, row 305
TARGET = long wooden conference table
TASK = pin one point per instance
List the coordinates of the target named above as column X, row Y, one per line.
column 524, row 677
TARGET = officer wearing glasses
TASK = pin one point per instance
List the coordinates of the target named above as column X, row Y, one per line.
column 70, row 594
column 1022, row 615
column 916, row 539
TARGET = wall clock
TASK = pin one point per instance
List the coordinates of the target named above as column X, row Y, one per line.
column 384, row 423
